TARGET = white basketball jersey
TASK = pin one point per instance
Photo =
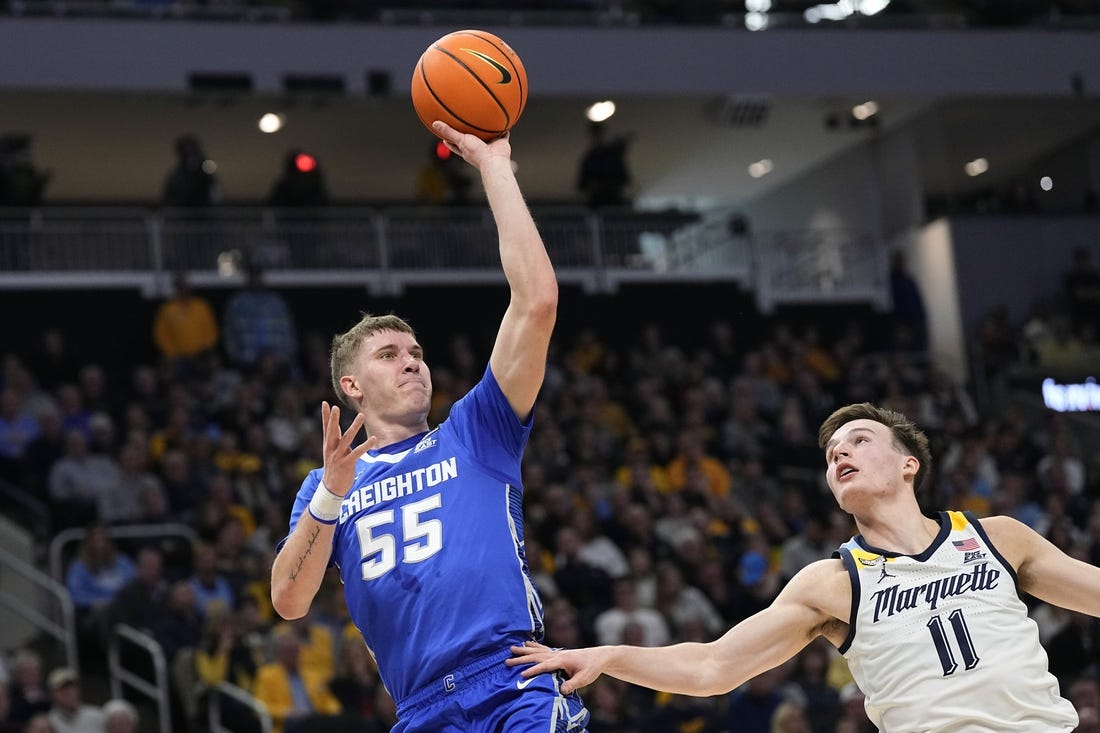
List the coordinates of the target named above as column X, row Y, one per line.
column 941, row 642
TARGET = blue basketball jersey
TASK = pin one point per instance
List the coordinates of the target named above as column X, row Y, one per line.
column 429, row 544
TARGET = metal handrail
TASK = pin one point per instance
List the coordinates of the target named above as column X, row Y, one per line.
column 64, row 240
column 127, row 531
column 36, row 511
column 388, row 248
column 157, row 690
column 65, row 631
column 242, row 696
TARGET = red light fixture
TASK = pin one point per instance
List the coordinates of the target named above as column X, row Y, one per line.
column 305, row 163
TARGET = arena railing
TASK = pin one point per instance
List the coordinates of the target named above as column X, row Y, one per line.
column 224, row 11
column 821, row 266
column 23, row 507
column 58, row 549
column 120, row 675
column 239, row 696
column 62, row 629
column 385, row 249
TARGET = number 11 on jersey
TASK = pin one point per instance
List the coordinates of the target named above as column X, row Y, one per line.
column 962, row 636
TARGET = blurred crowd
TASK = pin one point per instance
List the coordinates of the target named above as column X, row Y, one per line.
column 671, row 489
column 1058, row 334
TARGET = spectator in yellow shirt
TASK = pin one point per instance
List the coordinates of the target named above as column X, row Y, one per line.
column 692, row 461
column 222, row 656
column 292, row 693
column 184, row 326
column 317, row 646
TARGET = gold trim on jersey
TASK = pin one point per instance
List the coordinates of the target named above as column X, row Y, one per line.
column 867, row 559
column 959, row 521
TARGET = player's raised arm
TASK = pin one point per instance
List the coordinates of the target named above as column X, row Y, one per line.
column 1042, row 569
column 815, row 602
column 300, row 565
column 518, row 360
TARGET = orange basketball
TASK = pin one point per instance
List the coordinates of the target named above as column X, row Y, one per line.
column 473, row 81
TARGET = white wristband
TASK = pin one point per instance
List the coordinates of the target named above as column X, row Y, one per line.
column 325, row 505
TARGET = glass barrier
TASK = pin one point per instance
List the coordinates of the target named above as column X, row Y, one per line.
column 387, row 249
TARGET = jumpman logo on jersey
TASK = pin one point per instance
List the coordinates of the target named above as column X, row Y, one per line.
column 885, row 574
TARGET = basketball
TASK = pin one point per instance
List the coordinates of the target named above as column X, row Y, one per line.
column 473, row 81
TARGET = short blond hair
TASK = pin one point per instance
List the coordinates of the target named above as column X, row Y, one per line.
column 345, row 346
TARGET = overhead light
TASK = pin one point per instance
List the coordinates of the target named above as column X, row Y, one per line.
column 761, row 168
column 600, row 111
column 271, row 122
column 843, row 9
column 865, row 111
column 976, row 167
column 1046, row 183
column 756, row 14
column 756, row 21
column 859, row 118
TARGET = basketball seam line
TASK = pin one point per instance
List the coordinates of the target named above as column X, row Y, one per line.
column 480, row 81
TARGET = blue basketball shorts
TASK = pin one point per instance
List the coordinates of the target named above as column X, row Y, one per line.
column 486, row 696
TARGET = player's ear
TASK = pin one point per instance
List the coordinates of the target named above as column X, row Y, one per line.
column 350, row 386
column 910, row 467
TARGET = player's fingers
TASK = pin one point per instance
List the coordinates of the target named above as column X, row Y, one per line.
column 522, row 656
column 366, row 445
column 445, row 131
column 453, row 148
column 534, row 670
column 352, row 431
column 577, row 681
column 526, row 650
column 324, row 422
column 332, row 425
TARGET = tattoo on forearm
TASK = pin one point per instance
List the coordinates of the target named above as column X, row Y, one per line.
column 307, row 553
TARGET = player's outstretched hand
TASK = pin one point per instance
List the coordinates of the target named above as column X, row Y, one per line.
column 471, row 148
column 340, row 457
column 581, row 666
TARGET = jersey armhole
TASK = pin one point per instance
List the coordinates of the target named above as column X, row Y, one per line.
column 853, row 576
column 993, row 549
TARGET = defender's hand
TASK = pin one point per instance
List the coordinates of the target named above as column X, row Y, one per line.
column 581, row 666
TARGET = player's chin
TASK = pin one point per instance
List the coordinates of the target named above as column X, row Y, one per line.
column 845, row 498
column 422, row 402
